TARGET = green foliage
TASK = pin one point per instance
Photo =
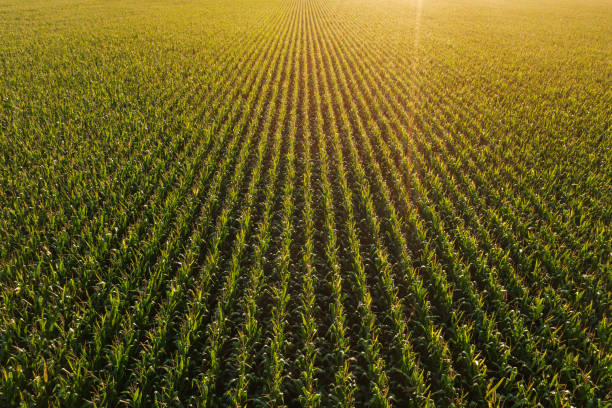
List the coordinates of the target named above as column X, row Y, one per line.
column 305, row 203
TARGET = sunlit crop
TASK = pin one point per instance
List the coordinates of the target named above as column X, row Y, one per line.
column 308, row 203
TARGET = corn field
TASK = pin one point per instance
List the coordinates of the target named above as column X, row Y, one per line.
column 305, row 203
